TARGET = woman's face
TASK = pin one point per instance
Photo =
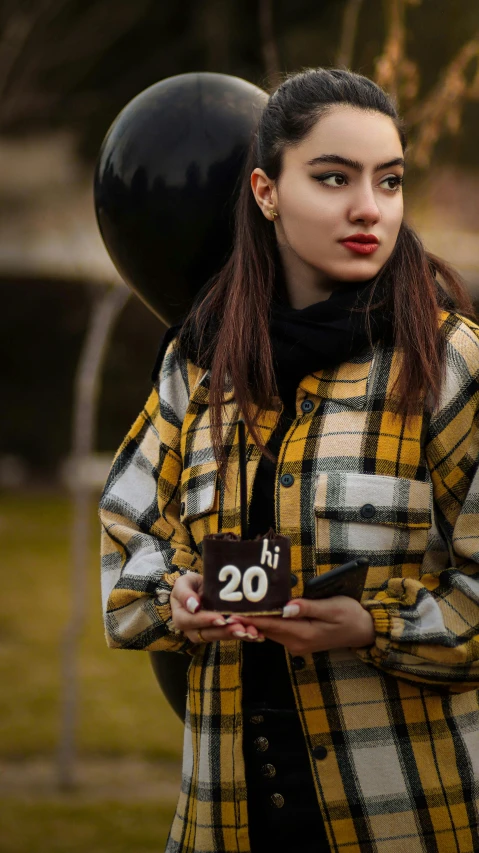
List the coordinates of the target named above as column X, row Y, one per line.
column 339, row 196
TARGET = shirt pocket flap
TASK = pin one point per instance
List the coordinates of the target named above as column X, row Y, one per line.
column 198, row 490
column 373, row 499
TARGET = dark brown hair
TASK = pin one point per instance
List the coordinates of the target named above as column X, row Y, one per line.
column 237, row 302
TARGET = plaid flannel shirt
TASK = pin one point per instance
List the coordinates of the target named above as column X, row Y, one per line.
column 399, row 719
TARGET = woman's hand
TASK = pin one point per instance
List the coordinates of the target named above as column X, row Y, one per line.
column 189, row 618
column 317, row 626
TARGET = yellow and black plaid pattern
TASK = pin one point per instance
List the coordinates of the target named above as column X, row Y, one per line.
column 399, row 720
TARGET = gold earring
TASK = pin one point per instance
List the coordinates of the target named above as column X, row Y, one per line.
column 273, row 213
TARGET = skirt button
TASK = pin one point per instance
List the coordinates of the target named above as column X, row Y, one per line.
column 277, row 800
column 320, row 752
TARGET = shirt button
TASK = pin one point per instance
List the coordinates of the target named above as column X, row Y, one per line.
column 182, row 507
column 294, row 580
column 307, row 405
column 261, row 744
column 268, row 770
column 256, row 719
column 287, row 480
column 320, row 752
column 298, row 663
column 368, row 510
column 277, row 800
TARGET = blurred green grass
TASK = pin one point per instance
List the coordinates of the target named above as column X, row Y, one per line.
column 123, row 714
column 106, row 827
column 122, row 710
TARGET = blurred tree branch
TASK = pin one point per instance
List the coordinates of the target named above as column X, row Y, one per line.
column 18, row 24
column 36, row 39
column 394, row 71
column 442, row 110
column 344, row 56
column 214, row 25
column 269, row 45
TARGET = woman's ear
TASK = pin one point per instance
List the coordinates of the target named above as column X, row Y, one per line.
column 263, row 191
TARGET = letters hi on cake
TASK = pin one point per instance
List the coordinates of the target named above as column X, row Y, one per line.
column 267, row 556
column 246, row 576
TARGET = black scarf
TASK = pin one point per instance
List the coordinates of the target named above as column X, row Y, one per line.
column 324, row 334
column 309, row 339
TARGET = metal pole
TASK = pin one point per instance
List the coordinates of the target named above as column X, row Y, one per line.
column 104, row 314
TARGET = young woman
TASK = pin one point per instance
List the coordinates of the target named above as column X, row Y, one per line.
column 348, row 351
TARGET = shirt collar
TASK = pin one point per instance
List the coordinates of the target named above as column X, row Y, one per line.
column 346, row 384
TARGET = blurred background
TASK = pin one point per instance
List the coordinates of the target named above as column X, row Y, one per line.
column 89, row 748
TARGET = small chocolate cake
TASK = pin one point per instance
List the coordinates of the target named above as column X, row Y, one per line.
column 251, row 576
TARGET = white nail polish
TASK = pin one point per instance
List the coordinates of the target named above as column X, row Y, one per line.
column 240, row 635
column 192, row 604
column 220, row 622
column 251, row 636
column 290, row 610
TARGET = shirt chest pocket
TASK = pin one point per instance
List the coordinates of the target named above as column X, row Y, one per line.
column 199, row 501
column 385, row 519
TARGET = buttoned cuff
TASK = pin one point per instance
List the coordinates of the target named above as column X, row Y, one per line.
column 163, row 607
column 382, row 620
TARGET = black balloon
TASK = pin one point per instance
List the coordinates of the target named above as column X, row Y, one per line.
column 170, row 669
column 166, row 183
column 165, row 186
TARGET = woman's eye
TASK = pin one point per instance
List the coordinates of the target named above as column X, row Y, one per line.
column 336, row 180
column 392, row 182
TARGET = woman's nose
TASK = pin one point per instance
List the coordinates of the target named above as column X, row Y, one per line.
column 364, row 207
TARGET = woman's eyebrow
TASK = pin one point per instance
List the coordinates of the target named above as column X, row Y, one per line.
column 353, row 164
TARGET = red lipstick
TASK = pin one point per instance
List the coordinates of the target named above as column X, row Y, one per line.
column 362, row 244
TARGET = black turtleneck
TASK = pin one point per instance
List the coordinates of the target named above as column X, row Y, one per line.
column 304, row 341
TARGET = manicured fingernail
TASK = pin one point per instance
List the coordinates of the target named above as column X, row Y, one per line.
column 291, row 610
column 251, row 636
column 232, row 620
column 220, row 622
column 192, row 604
column 260, row 639
column 240, row 635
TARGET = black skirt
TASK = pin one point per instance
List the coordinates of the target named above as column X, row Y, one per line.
column 283, row 811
